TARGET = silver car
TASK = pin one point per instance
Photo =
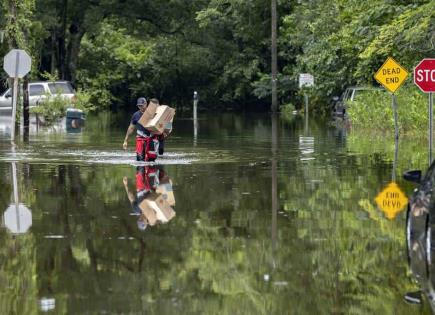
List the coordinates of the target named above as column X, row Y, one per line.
column 39, row 91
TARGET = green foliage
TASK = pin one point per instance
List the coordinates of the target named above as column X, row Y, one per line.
column 18, row 18
column 123, row 59
column 408, row 37
column 51, row 108
column 50, row 76
column 344, row 42
column 287, row 108
column 287, row 112
column 83, row 101
column 373, row 110
column 115, row 52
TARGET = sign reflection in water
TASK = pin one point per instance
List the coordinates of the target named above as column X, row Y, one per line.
column 391, row 200
column 17, row 217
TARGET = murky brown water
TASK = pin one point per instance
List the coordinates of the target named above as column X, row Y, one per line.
column 268, row 220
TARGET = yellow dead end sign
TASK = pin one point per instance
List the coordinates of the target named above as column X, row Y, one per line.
column 391, row 200
column 391, row 75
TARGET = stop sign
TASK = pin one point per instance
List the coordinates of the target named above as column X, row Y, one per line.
column 18, row 218
column 424, row 75
column 17, row 63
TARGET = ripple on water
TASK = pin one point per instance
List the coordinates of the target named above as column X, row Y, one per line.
column 116, row 157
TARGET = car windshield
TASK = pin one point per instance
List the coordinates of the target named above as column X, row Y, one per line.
column 60, row 88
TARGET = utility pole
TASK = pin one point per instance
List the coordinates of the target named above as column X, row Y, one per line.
column 274, row 58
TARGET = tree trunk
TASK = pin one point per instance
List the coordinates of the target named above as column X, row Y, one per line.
column 274, row 106
column 12, row 40
column 76, row 34
column 53, row 52
column 61, row 40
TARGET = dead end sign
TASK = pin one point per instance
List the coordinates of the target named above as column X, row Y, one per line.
column 391, row 75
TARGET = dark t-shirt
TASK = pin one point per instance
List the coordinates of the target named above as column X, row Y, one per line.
column 141, row 131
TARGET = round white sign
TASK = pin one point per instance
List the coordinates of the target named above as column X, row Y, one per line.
column 18, row 219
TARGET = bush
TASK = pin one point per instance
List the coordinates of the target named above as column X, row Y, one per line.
column 51, row 108
column 287, row 111
column 373, row 110
column 83, row 101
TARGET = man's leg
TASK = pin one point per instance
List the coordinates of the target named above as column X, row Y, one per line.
column 140, row 179
column 152, row 147
column 161, row 146
column 140, row 148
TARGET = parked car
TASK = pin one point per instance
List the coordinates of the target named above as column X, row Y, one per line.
column 39, row 91
column 420, row 219
column 422, row 199
column 350, row 94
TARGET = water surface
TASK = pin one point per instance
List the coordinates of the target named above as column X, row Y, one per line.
column 271, row 217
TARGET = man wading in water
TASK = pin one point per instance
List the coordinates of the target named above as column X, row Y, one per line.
column 147, row 143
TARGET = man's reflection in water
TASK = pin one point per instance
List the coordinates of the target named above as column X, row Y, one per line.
column 154, row 198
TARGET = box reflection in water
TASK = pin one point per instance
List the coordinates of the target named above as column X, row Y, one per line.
column 154, row 197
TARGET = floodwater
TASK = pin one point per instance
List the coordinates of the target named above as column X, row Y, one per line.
column 254, row 215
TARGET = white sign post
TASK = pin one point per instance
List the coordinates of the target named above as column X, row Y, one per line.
column 195, row 117
column 17, row 64
column 306, row 79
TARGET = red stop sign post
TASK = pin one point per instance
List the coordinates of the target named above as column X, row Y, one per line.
column 424, row 78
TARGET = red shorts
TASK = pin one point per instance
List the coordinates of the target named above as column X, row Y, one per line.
column 147, row 148
column 147, row 178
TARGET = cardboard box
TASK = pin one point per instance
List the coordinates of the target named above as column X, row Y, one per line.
column 164, row 211
column 165, row 189
column 168, row 127
column 164, row 115
column 149, row 114
column 148, row 212
column 156, row 209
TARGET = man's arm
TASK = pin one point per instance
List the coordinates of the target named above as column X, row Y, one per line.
column 130, row 130
column 129, row 194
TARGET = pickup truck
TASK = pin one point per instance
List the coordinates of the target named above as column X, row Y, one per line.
column 38, row 91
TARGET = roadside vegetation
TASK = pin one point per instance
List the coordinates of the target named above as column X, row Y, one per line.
column 374, row 111
column 118, row 50
column 53, row 107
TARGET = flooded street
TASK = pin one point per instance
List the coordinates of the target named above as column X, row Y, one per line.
column 270, row 216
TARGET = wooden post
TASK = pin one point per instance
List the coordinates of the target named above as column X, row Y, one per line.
column 275, row 192
column 274, row 59
column 195, row 117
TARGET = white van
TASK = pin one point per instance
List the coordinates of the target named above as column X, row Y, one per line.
column 40, row 90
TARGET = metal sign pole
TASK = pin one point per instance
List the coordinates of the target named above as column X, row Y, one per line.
column 396, row 135
column 306, row 102
column 15, row 183
column 430, row 127
column 396, row 157
column 17, row 63
column 396, row 126
column 306, row 116
column 14, row 108
column 15, row 95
